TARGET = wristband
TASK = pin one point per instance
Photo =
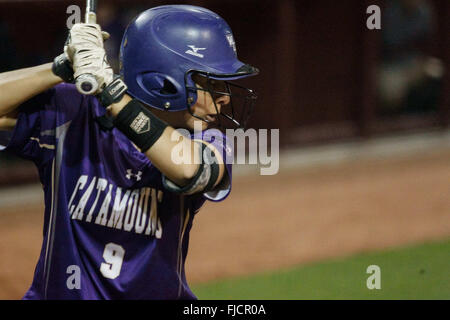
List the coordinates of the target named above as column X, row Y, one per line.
column 113, row 92
column 139, row 125
column 62, row 68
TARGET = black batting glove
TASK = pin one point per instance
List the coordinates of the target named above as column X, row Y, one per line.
column 62, row 67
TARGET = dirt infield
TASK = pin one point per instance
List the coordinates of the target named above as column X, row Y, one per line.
column 294, row 217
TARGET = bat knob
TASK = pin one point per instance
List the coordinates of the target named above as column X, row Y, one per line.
column 86, row 84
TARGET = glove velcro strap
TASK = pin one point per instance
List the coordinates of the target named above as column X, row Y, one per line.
column 63, row 68
column 113, row 92
column 139, row 125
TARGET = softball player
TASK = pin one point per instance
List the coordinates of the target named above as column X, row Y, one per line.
column 118, row 205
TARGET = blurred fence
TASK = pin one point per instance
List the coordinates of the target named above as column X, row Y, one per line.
column 319, row 62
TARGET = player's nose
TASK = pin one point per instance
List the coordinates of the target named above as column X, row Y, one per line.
column 221, row 101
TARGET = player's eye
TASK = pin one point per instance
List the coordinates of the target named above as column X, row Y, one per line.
column 218, row 86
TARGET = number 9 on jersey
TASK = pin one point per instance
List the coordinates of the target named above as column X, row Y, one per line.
column 113, row 256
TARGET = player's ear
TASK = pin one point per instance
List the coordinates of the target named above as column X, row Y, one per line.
column 222, row 100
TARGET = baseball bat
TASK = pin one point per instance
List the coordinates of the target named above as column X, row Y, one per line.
column 86, row 83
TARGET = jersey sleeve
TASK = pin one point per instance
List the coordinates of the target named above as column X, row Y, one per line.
column 35, row 134
column 220, row 142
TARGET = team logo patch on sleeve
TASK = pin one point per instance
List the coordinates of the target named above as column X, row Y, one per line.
column 141, row 124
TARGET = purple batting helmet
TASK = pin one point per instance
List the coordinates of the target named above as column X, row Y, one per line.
column 164, row 46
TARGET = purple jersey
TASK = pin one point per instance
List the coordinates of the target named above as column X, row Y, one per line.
column 108, row 218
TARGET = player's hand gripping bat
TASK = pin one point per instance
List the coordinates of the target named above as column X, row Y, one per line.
column 86, row 83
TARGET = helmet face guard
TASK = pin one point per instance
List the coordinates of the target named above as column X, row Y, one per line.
column 234, row 114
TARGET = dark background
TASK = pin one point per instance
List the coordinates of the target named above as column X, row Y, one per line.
column 318, row 61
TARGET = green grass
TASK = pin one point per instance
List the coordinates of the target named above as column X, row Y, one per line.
column 420, row 272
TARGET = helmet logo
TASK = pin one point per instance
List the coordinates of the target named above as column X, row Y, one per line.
column 231, row 41
column 194, row 51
